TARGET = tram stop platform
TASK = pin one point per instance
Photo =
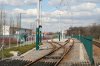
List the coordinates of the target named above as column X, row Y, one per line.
column 34, row 54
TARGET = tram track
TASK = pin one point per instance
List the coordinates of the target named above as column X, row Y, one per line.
column 70, row 47
column 11, row 62
column 55, row 48
column 54, row 58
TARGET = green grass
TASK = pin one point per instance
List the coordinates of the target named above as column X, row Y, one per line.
column 21, row 49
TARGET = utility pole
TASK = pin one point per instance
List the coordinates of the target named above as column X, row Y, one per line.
column 10, row 32
column 59, row 34
column 59, row 25
column 39, row 26
column 0, row 22
column 40, row 23
column 20, row 17
column 3, row 26
column 1, row 19
column 62, row 34
column 20, row 27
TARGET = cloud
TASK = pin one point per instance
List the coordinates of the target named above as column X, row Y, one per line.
column 84, row 7
column 68, row 14
column 18, row 2
column 27, row 11
column 54, row 2
column 30, row 2
column 12, row 2
column 82, row 12
column 92, row 1
column 97, row 10
column 70, row 2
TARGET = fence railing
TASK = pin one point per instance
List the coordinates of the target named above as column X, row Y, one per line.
column 87, row 42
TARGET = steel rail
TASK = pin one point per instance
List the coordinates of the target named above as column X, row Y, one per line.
column 66, row 52
column 46, row 54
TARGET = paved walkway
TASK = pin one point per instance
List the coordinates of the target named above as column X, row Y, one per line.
column 34, row 54
column 77, row 54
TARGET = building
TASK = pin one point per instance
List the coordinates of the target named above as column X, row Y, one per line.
column 15, row 30
column 7, row 30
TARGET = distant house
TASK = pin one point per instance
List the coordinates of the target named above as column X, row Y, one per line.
column 16, row 30
column 7, row 30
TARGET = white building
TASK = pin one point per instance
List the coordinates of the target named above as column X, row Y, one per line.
column 7, row 30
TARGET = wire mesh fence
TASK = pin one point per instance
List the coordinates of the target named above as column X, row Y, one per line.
column 15, row 40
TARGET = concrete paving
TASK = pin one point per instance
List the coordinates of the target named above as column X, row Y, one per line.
column 34, row 54
column 77, row 54
column 62, row 40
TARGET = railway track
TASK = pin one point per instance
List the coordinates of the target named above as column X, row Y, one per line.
column 96, row 59
column 11, row 62
column 54, row 58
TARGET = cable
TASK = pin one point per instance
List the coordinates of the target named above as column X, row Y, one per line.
column 69, row 9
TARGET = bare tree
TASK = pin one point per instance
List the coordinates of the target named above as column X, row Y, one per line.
column 93, row 30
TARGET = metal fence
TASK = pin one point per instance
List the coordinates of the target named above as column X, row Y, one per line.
column 87, row 42
column 15, row 40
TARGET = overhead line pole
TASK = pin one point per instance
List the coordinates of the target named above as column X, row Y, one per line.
column 3, row 14
column 38, row 28
column 60, row 19
column 40, row 23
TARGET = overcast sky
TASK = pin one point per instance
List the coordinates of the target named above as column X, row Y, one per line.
column 72, row 12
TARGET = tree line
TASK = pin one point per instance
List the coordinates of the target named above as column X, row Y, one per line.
column 93, row 30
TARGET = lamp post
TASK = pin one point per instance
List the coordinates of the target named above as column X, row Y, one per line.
column 39, row 26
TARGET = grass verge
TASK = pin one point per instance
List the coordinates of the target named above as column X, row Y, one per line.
column 21, row 49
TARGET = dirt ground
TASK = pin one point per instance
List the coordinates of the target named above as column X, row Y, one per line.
column 96, row 50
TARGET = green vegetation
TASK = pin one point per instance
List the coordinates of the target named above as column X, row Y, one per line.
column 21, row 49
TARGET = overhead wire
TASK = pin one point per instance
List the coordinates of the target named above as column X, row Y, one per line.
column 59, row 7
column 69, row 10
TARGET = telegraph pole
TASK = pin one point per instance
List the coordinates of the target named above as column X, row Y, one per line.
column 39, row 26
